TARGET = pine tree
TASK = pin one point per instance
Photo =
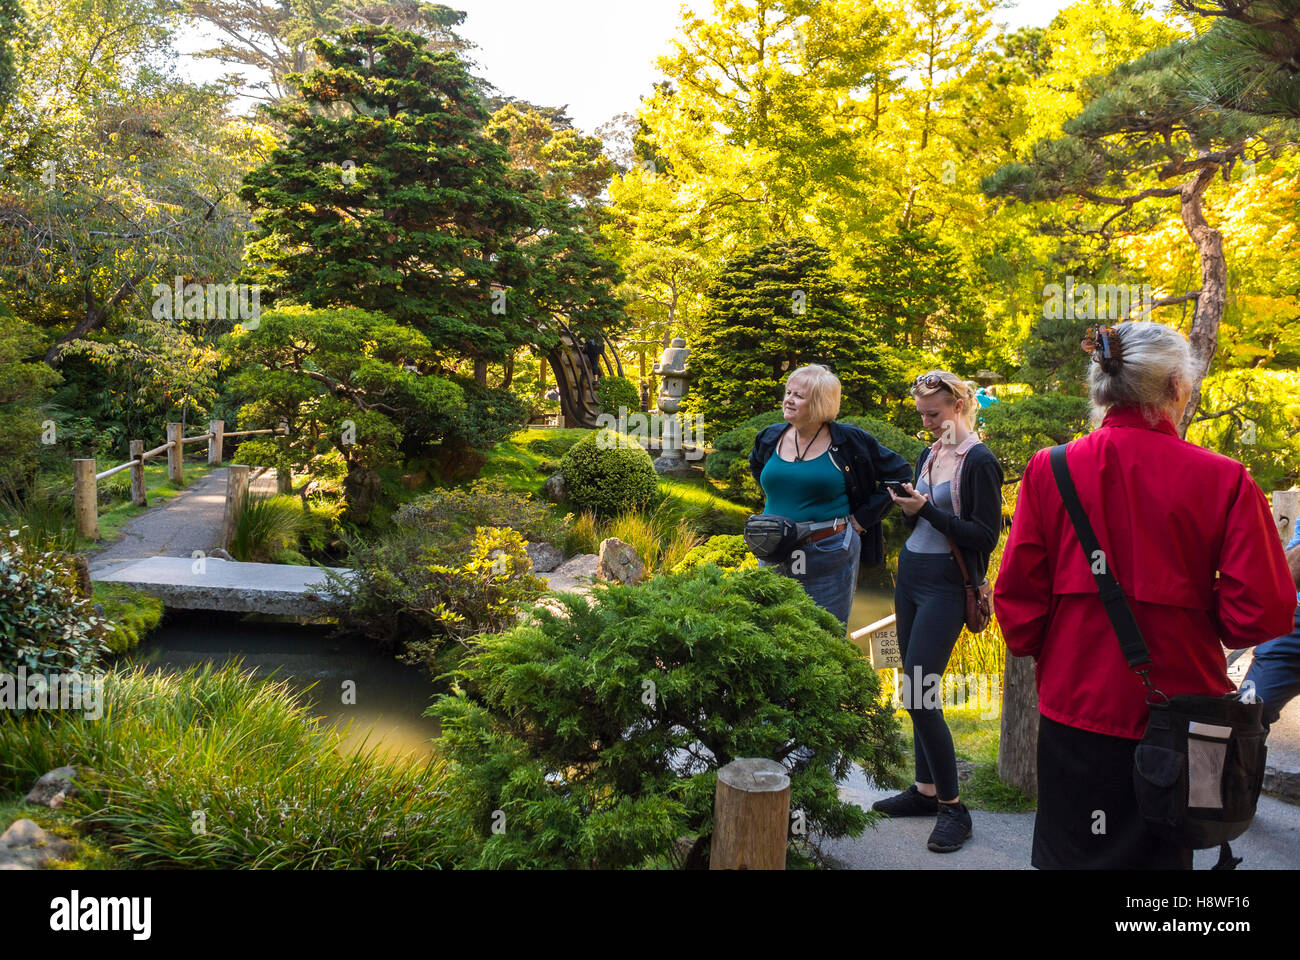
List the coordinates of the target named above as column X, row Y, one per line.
column 1142, row 137
column 771, row 311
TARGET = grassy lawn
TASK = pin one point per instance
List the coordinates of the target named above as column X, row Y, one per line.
column 158, row 489
column 976, row 740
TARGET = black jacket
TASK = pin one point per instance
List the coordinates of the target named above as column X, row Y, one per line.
column 865, row 462
column 977, row 531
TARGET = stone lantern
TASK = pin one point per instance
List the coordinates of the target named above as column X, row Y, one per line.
column 671, row 368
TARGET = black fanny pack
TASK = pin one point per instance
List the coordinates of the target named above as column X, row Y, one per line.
column 1199, row 768
column 774, row 538
column 771, row 537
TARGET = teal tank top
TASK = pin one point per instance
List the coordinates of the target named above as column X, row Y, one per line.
column 810, row 490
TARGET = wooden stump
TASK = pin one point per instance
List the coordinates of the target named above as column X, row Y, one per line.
column 218, row 430
column 1286, row 511
column 751, row 816
column 1018, row 746
column 174, row 453
column 137, row 475
column 236, row 497
column 85, row 496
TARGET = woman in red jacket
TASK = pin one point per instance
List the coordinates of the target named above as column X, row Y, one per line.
column 1191, row 540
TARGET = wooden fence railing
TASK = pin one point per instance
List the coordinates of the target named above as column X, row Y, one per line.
column 85, row 480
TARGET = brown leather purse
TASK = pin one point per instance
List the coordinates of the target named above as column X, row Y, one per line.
column 979, row 600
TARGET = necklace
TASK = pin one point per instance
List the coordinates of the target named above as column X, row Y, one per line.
column 798, row 457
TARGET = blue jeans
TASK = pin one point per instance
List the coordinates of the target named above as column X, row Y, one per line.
column 828, row 570
column 1276, row 673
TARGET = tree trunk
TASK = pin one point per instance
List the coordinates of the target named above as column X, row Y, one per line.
column 1018, row 745
column 480, row 372
column 1204, row 334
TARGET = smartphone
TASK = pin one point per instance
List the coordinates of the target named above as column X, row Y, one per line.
column 896, row 486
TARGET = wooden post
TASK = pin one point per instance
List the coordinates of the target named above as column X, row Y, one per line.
column 137, row 475
column 1018, row 744
column 85, row 498
column 236, row 496
column 218, row 430
column 174, row 453
column 751, row 816
column 1286, row 510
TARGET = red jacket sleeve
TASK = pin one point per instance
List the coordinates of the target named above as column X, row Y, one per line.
column 1254, row 596
column 1022, row 596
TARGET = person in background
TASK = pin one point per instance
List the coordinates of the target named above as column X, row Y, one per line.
column 1191, row 540
column 953, row 503
column 1274, row 674
column 813, row 469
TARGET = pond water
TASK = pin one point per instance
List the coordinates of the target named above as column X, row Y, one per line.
column 390, row 697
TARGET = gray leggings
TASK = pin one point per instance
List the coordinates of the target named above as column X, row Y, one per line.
column 930, row 607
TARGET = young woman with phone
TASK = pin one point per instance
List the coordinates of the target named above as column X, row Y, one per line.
column 953, row 503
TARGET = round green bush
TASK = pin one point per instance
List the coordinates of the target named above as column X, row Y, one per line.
column 615, row 392
column 609, row 473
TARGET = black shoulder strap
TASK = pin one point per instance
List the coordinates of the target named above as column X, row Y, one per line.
column 1112, row 595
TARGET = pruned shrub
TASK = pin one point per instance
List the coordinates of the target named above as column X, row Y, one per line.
column 452, row 565
column 613, row 393
column 609, row 473
column 597, row 732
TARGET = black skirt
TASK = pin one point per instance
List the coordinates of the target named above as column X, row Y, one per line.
column 1088, row 817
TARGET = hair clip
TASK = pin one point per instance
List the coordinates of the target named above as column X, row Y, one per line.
column 1103, row 344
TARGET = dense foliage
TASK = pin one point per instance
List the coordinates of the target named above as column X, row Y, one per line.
column 453, row 564
column 769, row 312
column 46, row 625
column 615, row 394
column 592, row 738
column 608, row 473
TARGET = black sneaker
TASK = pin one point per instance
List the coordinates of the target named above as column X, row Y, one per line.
column 951, row 829
column 910, row 803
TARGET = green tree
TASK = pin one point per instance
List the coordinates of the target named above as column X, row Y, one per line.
column 343, row 380
column 1139, row 138
column 769, row 312
column 390, row 195
column 274, row 36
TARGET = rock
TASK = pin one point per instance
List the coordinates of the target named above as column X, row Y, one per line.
column 557, row 488
column 965, row 770
column 619, row 562
column 25, row 846
column 576, row 574
column 544, row 556
column 53, row 788
column 216, row 553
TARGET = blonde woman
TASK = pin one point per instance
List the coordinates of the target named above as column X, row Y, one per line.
column 829, row 475
column 953, row 503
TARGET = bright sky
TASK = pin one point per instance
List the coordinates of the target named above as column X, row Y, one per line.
column 596, row 56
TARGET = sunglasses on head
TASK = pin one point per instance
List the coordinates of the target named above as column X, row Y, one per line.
column 932, row 382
